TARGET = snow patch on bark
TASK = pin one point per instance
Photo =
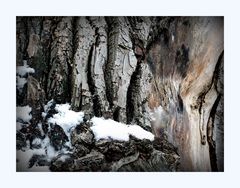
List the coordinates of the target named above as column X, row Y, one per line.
column 25, row 69
column 107, row 128
column 23, row 113
column 66, row 118
column 22, row 71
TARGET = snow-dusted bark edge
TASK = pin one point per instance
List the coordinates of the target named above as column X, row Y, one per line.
column 58, row 142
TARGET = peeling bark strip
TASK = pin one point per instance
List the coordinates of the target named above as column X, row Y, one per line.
column 124, row 68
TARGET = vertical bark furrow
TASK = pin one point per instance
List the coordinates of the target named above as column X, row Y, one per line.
column 61, row 56
column 133, row 97
column 98, row 61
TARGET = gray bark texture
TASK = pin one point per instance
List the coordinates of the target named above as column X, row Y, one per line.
column 124, row 68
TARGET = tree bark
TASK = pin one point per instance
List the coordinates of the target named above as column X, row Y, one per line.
column 124, row 68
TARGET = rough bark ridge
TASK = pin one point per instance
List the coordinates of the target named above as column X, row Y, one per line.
column 124, row 68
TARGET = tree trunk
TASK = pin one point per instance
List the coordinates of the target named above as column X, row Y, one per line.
column 164, row 74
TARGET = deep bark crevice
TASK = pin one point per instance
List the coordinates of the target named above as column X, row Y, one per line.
column 70, row 60
column 211, row 142
column 69, row 81
column 90, row 79
column 26, row 33
column 211, row 120
column 133, row 102
column 48, row 68
column 116, row 114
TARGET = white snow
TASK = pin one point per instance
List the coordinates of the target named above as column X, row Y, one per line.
column 39, row 169
column 37, row 141
column 19, row 126
column 23, row 158
column 49, row 150
column 108, row 128
column 23, row 113
column 46, row 149
column 66, row 118
column 40, row 128
column 23, row 70
column 47, row 106
column 139, row 132
column 64, row 157
column 105, row 129
column 20, row 83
